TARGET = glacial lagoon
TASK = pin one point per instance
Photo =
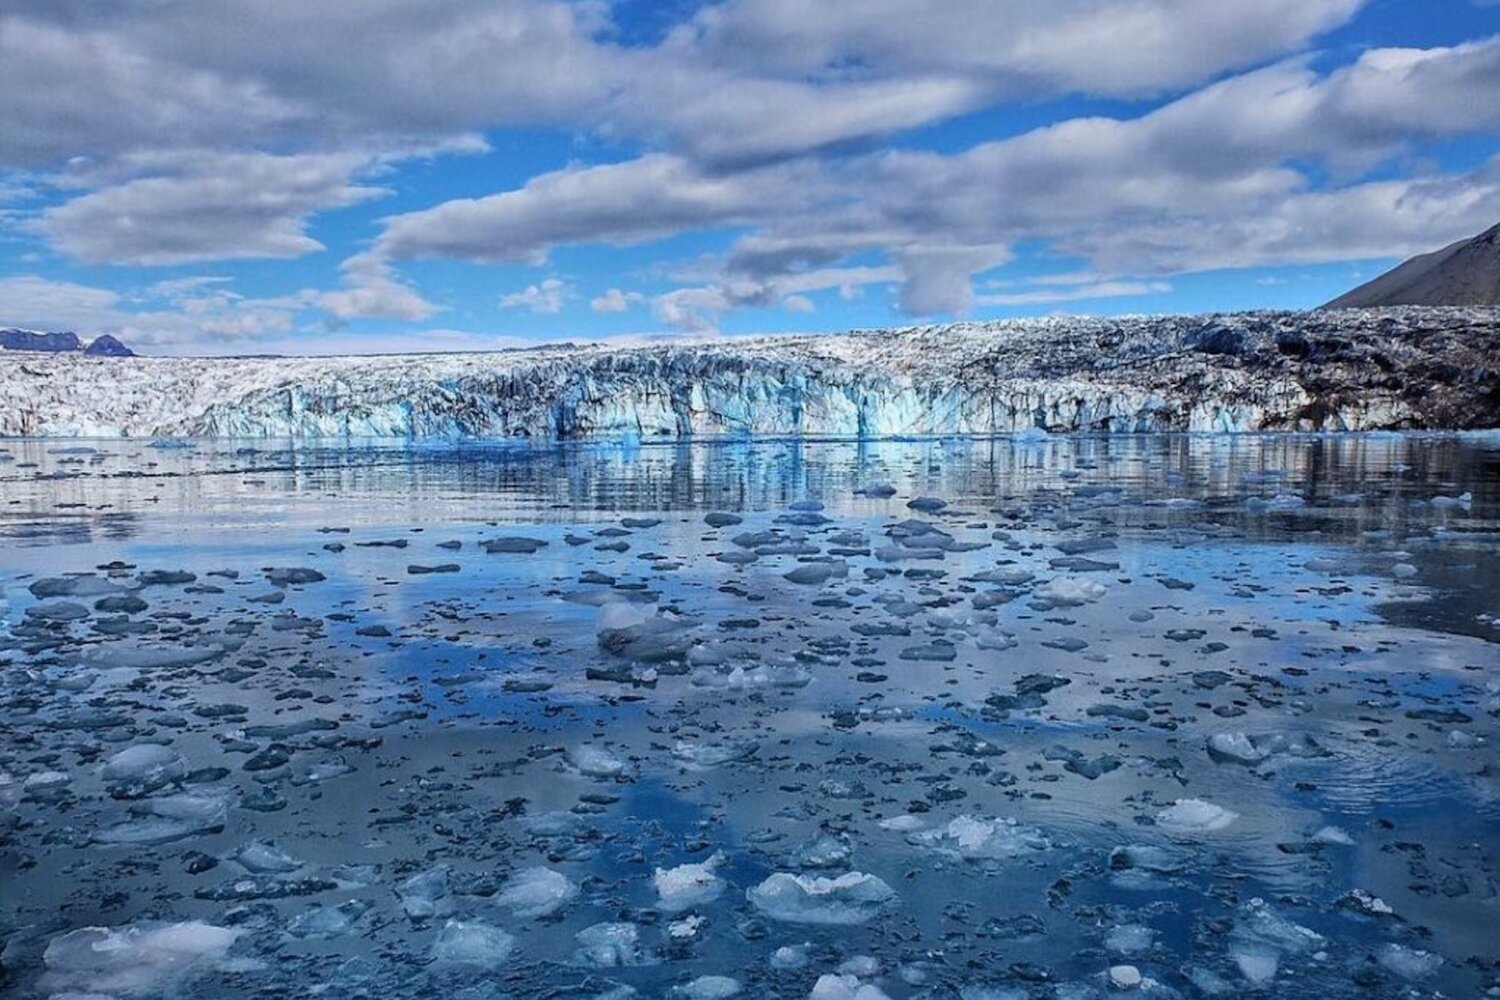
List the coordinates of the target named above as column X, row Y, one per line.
column 986, row 719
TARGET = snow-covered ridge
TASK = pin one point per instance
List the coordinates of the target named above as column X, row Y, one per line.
column 1340, row 370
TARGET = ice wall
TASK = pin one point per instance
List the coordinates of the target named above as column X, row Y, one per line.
column 1349, row 370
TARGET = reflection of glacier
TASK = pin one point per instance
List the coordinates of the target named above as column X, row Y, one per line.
column 1347, row 370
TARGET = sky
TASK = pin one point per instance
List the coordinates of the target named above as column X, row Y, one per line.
column 279, row 176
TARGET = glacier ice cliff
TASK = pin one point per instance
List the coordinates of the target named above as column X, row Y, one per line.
column 1402, row 368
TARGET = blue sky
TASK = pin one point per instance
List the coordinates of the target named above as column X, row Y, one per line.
column 248, row 176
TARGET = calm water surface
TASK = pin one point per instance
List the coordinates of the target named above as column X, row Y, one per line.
column 925, row 719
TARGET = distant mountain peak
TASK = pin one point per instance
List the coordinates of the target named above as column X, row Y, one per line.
column 1466, row 273
column 107, row 346
column 13, row 338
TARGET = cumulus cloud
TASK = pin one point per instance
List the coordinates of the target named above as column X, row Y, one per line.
column 173, row 316
column 38, row 303
column 203, row 206
column 719, row 85
column 372, row 290
column 617, row 204
column 615, row 301
column 177, row 133
column 1212, row 179
column 545, row 298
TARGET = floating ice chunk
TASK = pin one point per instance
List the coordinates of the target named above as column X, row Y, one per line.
column 537, row 892
column 702, row 756
column 689, row 885
column 845, row 987
column 617, row 616
column 1463, row 501
column 472, row 942
column 905, row 823
column 1237, row 748
column 596, row 762
column 608, row 945
column 1129, row 939
column 1146, row 858
column 75, row 586
column 46, row 784
column 291, row 576
column 1257, row 963
column 1124, row 977
column 424, row 894
column 740, row 678
column 152, row 657
column 789, row 956
column 710, row 988
column 148, row 764
column 824, row 851
column 1333, row 835
column 264, row 857
column 686, row 928
column 1409, row 963
column 1070, row 591
column 976, row 838
column 168, row 818
column 1195, row 816
column 1261, row 937
column 852, row 898
column 1363, row 901
column 321, row 923
column 813, row 574
column 136, row 958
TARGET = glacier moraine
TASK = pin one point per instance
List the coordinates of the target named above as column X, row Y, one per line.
column 1024, row 718
column 1356, row 370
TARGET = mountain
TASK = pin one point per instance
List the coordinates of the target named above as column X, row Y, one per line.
column 14, row 339
column 1467, row 273
column 1338, row 370
column 104, row 346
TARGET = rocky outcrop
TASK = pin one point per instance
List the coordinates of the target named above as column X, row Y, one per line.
column 13, row 339
column 1466, row 273
column 106, row 346
column 1344, row 370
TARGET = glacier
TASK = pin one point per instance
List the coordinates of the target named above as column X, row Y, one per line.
column 1339, row 370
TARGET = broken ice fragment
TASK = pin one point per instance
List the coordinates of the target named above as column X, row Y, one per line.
column 852, row 898
column 689, row 885
column 537, row 892
column 136, row 958
column 1195, row 816
column 472, row 942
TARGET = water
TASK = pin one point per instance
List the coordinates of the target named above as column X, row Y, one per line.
column 342, row 783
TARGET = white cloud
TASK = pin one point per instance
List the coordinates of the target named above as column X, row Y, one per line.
column 204, row 206
column 615, row 301
column 545, row 298
column 221, row 129
column 1213, row 179
column 618, row 204
column 40, row 303
column 177, row 315
column 372, row 290
column 737, row 80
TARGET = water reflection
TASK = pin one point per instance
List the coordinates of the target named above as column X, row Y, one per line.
column 1182, row 704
